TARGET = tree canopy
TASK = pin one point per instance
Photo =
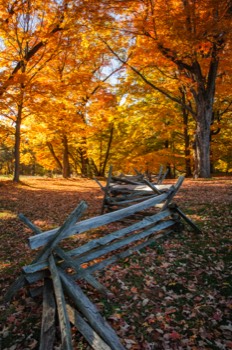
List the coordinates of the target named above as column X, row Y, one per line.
column 136, row 83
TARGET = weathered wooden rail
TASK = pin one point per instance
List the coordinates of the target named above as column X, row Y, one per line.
column 122, row 191
column 62, row 294
column 139, row 178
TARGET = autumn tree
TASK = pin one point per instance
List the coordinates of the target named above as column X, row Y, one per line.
column 6, row 147
column 64, row 107
column 161, row 129
column 52, row 60
column 190, row 40
column 30, row 38
column 103, row 120
column 34, row 34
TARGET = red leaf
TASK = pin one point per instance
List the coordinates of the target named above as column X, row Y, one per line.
column 174, row 335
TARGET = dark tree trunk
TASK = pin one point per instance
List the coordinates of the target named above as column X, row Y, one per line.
column 187, row 153
column 170, row 174
column 216, row 116
column 17, row 144
column 51, row 149
column 204, row 99
column 84, row 162
column 202, row 150
column 103, row 166
column 66, row 165
column 93, row 168
column 17, row 151
column 85, row 167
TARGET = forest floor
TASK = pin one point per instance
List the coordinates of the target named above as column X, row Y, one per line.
column 176, row 294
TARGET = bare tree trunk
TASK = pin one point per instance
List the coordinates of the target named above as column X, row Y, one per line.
column 188, row 170
column 202, row 149
column 51, row 149
column 85, row 168
column 84, row 161
column 66, row 166
column 108, row 150
column 17, row 143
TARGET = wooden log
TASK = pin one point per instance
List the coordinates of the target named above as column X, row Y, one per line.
column 99, row 184
column 104, row 263
column 111, row 201
column 121, row 189
column 160, row 174
column 124, row 242
column 36, row 276
column 61, row 306
column 89, row 310
column 190, row 222
column 99, row 266
column 21, row 280
column 128, row 196
column 83, row 327
column 139, row 173
column 85, row 225
column 125, row 180
column 29, row 224
column 173, row 191
column 163, row 176
column 95, row 243
column 153, row 187
column 106, row 190
column 61, row 232
column 131, row 195
column 19, row 283
column 48, row 328
column 35, row 267
column 89, row 278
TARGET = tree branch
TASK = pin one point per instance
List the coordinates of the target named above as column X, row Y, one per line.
column 27, row 58
column 148, row 82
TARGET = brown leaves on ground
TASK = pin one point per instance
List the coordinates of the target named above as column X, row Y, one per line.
column 176, row 294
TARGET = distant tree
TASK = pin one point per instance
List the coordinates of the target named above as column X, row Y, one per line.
column 30, row 38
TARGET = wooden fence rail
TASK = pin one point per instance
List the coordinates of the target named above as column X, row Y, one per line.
column 124, row 190
column 60, row 288
column 139, row 178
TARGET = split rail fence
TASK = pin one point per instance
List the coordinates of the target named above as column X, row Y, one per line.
column 124, row 190
column 59, row 271
column 139, row 178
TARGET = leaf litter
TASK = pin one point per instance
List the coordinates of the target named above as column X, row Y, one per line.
column 175, row 294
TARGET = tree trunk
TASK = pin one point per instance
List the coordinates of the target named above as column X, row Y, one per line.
column 51, row 149
column 204, row 101
column 17, row 144
column 93, row 167
column 185, row 113
column 103, row 166
column 202, row 149
column 85, row 167
column 84, row 162
column 66, row 166
column 188, row 169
